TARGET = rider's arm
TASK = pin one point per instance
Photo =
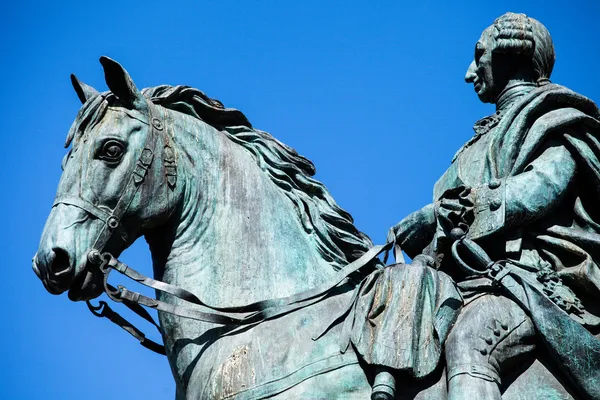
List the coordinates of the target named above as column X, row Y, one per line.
column 415, row 231
column 523, row 198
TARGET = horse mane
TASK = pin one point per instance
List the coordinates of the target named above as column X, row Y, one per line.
column 338, row 240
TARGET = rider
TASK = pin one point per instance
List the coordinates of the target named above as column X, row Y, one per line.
column 525, row 189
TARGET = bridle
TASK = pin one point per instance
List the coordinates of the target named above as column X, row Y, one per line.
column 112, row 218
column 245, row 315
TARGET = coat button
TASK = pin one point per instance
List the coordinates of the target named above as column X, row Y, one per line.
column 495, row 204
column 494, row 184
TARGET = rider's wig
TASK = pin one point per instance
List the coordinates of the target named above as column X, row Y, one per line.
column 517, row 34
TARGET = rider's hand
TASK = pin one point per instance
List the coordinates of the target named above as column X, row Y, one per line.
column 455, row 209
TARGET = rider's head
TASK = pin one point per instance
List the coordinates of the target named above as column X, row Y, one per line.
column 514, row 47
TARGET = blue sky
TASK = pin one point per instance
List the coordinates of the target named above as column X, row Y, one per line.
column 372, row 93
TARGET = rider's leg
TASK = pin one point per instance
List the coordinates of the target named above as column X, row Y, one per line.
column 491, row 335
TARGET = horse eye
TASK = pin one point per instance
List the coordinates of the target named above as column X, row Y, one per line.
column 112, row 151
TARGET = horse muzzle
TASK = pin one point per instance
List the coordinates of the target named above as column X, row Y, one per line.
column 55, row 269
column 61, row 261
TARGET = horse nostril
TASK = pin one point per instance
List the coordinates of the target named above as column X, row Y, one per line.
column 60, row 262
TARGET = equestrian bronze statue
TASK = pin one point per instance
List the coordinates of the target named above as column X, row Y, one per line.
column 266, row 289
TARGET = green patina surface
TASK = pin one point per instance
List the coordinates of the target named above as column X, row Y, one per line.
column 234, row 216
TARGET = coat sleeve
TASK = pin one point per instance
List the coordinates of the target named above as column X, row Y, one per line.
column 525, row 197
column 415, row 231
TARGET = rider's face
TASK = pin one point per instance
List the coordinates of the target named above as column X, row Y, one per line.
column 480, row 72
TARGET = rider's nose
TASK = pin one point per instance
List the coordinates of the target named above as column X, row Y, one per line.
column 471, row 75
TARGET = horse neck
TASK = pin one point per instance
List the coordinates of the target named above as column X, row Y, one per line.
column 237, row 238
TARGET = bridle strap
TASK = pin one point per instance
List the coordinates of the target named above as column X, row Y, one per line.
column 137, row 177
column 99, row 213
column 253, row 313
column 103, row 310
column 258, row 306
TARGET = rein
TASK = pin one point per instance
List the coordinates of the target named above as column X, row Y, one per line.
column 249, row 314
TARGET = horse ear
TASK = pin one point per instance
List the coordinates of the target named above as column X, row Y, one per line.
column 84, row 92
column 119, row 82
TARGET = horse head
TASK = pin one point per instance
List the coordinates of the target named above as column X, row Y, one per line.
column 119, row 160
